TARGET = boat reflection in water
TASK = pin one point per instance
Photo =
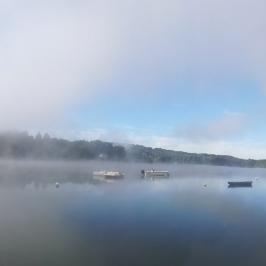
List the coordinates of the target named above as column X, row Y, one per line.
column 236, row 184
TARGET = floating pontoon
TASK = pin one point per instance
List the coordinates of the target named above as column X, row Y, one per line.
column 155, row 174
column 107, row 175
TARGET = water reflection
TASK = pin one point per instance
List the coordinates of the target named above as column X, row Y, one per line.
column 179, row 221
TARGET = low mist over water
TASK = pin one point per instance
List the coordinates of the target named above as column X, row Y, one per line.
column 193, row 218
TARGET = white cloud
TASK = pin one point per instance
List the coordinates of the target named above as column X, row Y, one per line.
column 56, row 53
column 51, row 57
column 227, row 127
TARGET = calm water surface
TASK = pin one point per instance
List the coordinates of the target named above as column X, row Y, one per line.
column 131, row 222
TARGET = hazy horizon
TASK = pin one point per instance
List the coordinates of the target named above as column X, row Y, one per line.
column 24, row 145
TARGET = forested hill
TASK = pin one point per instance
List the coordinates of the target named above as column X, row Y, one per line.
column 22, row 145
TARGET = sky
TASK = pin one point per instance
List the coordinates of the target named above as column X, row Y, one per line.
column 178, row 74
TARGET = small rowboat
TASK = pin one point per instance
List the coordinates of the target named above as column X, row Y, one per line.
column 240, row 184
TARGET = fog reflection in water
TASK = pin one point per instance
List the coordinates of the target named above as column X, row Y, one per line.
column 131, row 222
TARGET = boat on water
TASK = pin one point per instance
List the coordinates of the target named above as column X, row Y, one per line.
column 240, row 184
column 107, row 175
column 155, row 174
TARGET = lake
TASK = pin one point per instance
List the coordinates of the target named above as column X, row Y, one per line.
column 191, row 219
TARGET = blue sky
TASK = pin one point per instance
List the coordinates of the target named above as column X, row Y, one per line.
column 177, row 74
column 173, row 112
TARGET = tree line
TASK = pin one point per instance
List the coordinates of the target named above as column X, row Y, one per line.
column 22, row 145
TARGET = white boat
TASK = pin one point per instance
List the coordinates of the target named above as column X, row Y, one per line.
column 155, row 174
column 107, row 175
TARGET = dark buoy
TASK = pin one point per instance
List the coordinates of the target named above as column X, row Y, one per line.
column 57, row 185
column 142, row 173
